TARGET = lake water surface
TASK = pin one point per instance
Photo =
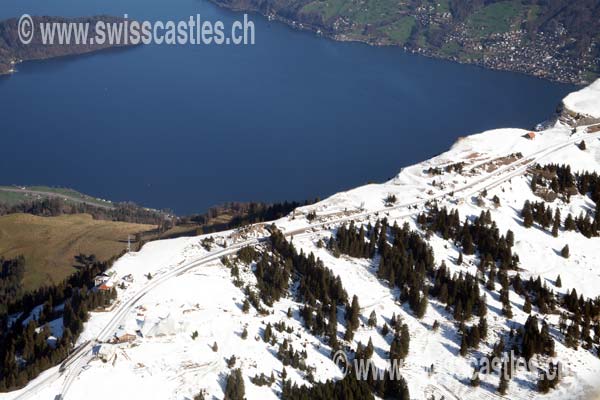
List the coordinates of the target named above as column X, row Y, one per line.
column 293, row 117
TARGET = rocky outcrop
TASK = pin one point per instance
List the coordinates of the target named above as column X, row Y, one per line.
column 575, row 119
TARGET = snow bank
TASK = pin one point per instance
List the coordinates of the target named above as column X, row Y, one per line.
column 586, row 101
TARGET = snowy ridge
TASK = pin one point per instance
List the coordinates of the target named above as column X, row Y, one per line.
column 586, row 101
column 191, row 291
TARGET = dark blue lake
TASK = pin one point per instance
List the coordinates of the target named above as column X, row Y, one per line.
column 293, row 117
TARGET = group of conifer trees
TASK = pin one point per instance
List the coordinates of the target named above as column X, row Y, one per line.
column 11, row 281
column 583, row 315
column 352, row 242
column 52, row 207
column 406, row 261
column 536, row 341
column 481, row 234
column 543, row 215
column 560, row 180
column 317, row 287
column 25, row 350
column 322, row 294
column 348, row 388
column 272, row 276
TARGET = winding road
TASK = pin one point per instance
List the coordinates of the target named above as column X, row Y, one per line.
column 73, row 366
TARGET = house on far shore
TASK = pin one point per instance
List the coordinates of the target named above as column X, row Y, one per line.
column 529, row 135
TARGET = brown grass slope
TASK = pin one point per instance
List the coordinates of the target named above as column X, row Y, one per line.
column 50, row 244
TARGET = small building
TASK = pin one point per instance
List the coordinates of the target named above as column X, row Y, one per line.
column 104, row 351
column 529, row 135
column 105, row 287
column 127, row 333
column 100, row 279
column 124, row 337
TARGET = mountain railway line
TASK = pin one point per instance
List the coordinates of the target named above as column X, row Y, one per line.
column 82, row 355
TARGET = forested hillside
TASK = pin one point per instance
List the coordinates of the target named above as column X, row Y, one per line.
column 13, row 51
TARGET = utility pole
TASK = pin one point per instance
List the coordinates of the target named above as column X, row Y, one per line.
column 128, row 243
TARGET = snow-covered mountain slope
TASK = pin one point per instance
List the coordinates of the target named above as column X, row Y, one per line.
column 585, row 101
column 183, row 296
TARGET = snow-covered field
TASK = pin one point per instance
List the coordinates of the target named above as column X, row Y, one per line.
column 585, row 101
column 164, row 361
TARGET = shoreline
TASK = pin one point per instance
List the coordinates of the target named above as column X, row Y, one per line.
column 384, row 43
column 92, row 52
column 15, row 53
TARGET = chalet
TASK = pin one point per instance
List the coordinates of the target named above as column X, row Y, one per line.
column 127, row 332
column 101, row 279
column 529, row 135
column 105, row 287
column 125, row 338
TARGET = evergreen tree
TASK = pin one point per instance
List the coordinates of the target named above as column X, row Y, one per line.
column 503, row 384
column 527, row 305
column 483, row 327
column 490, row 285
column 385, row 330
column 234, row 388
column 565, row 251
column 572, row 336
column 570, row 223
column 556, row 224
column 422, row 307
column 527, row 215
column 372, row 319
column 510, row 238
column 467, row 243
column 268, row 333
column 534, row 182
column 463, row 345
column 369, row 349
column 506, row 307
column 475, row 381
column 352, row 314
column 543, row 385
column 400, row 344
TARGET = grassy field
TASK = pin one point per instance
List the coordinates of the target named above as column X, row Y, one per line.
column 400, row 30
column 12, row 195
column 49, row 244
column 359, row 11
column 495, row 18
